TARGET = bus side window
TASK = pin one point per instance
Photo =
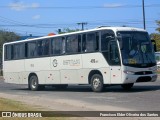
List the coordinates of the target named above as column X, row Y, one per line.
column 32, row 52
column 106, row 48
column 72, row 44
column 97, row 41
column 22, row 50
column 92, row 42
column 79, row 43
column 18, row 51
column 56, row 44
column 8, row 52
column 106, row 36
column 63, row 45
column 26, row 50
column 84, row 42
column 114, row 53
column 43, row 47
column 39, row 47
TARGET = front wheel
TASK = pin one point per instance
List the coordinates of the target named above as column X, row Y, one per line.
column 97, row 83
column 33, row 83
column 127, row 86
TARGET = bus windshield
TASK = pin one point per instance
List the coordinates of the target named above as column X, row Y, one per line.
column 136, row 49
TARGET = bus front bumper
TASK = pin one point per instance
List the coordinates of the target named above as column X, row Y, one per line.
column 140, row 78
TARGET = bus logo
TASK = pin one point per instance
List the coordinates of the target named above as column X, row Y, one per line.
column 54, row 63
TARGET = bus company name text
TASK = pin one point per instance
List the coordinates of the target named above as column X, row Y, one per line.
column 73, row 62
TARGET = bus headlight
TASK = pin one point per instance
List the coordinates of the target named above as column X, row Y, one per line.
column 153, row 69
column 129, row 72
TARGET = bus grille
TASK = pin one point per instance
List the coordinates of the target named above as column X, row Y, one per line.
column 144, row 79
column 143, row 73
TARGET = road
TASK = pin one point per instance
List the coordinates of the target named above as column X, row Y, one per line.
column 142, row 97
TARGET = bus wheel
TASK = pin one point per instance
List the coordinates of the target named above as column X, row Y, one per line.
column 97, row 83
column 33, row 83
column 127, row 86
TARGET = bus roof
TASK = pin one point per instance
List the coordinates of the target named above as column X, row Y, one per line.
column 115, row 29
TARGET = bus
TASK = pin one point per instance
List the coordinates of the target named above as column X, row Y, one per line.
column 96, row 57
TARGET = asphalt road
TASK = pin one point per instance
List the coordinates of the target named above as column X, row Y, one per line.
column 143, row 96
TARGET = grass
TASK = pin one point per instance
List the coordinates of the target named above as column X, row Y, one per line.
column 10, row 105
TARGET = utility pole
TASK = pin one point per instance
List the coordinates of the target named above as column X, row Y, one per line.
column 144, row 19
column 82, row 23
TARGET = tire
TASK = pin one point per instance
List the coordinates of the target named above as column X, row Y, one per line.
column 97, row 83
column 33, row 83
column 127, row 86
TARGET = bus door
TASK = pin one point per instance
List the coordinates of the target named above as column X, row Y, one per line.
column 115, row 64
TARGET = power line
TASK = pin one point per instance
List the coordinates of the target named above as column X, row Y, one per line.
column 25, row 31
column 14, row 23
column 84, row 7
column 47, row 25
column 69, row 25
column 11, row 21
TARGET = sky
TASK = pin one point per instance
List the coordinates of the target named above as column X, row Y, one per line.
column 41, row 17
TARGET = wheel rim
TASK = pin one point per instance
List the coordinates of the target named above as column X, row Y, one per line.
column 34, row 83
column 96, row 83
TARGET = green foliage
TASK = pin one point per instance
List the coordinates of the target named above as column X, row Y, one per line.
column 158, row 23
column 68, row 30
column 156, row 36
column 6, row 36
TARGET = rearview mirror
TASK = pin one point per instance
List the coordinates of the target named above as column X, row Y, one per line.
column 110, row 37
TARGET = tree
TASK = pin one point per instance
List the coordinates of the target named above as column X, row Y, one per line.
column 158, row 23
column 67, row 30
column 156, row 36
column 6, row 36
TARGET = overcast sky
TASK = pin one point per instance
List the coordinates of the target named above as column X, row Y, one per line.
column 40, row 17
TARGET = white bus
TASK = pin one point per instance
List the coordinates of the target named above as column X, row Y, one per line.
column 98, row 57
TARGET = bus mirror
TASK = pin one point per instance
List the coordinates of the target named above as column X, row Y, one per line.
column 110, row 37
column 154, row 45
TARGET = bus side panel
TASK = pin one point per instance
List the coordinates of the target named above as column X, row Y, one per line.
column 51, row 77
column 83, row 75
column 106, row 75
column 13, row 71
column 96, row 61
column 24, row 76
column 68, row 65
column 39, row 66
column 69, row 77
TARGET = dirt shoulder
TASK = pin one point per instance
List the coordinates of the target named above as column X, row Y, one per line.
column 46, row 104
column 61, row 104
column 57, row 104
